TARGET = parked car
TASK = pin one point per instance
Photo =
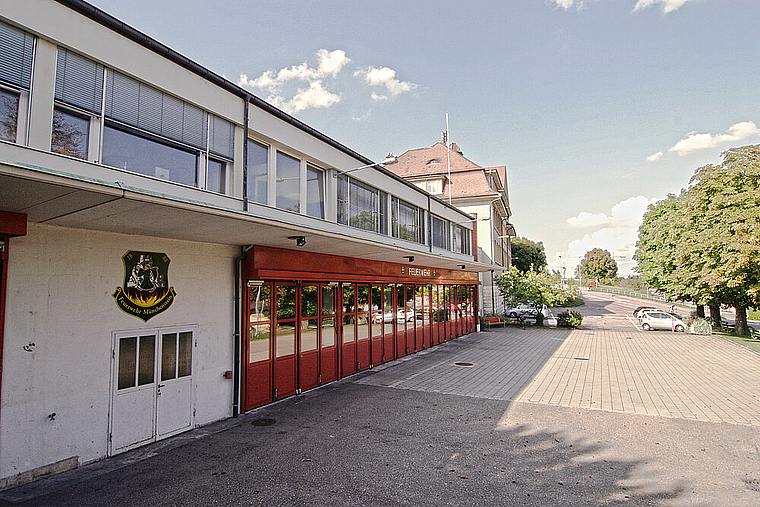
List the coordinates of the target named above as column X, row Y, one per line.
column 521, row 309
column 658, row 319
column 637, row 312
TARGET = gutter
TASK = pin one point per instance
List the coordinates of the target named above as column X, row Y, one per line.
column 237, row 360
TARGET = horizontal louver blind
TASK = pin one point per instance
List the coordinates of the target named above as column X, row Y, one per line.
column 222, row 134
column 139, row 105
column 16, row 56
column 78, row 81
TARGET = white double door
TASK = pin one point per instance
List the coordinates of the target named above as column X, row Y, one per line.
column 152, row 394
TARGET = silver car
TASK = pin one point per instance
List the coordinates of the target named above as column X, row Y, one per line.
column 658, row 319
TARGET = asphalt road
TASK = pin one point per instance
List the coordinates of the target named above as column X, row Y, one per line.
column 428, row 431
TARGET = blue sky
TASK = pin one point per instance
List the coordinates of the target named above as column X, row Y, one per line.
column 596, row 107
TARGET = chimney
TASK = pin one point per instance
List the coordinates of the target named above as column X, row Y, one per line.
column 455, row 147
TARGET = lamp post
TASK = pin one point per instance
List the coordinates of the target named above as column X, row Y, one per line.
column 389, row 159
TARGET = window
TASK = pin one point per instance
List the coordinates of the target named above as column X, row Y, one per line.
column 315, row 192
column 140, row 154
column 216, row 175
column 461, row 240
column 257, row 167
column 408, row 221
column 441, row 231
column 361, row 205
column 71, row 134
column 288, row 182
column 8, row 115
column 431, row 186
column 16, row 48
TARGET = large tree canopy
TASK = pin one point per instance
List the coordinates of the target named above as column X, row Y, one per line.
column 704, row 245
column 527, row 254
column 532, row 287
column 599, row 264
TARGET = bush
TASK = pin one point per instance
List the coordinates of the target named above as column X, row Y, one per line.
column 569, row 318
column 699, row 325
column 573, row 301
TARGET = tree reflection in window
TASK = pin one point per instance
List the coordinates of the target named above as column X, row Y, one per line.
column 70, row 134
column 8, row 115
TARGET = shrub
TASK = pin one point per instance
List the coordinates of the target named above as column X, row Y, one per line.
column 699, row 325
column 569, row 318
column 572, row 301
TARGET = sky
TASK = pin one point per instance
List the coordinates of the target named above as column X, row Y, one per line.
column 598, row 108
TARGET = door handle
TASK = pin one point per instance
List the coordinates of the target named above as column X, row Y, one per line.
column 158, row 389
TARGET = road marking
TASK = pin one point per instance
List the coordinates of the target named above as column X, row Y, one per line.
column 630, row 319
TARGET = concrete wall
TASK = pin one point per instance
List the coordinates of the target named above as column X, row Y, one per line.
column 59, row 297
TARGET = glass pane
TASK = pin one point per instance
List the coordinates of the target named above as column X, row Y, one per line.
column 362, row 327
column 216, row 176
column 8, row 115
column 377, row 298
column 258, row 343
column 388, row 298
column 260, row 303
column 309, row 301
column 309, row 333
column 285, row 339
column 328, row 332
column 168, row 356
column 258, row 163
column 185, row 354
column 286, row 302
column 362, row 295
column 328, row 300
column 410, row 307
column 127, row 362
column 349, row 322
column 376, row 323
column 426, row 306
column 147, row 363
column 348, row 299
column 315, row 192
column 71, row 134
column 288, row 182
column 140, row 155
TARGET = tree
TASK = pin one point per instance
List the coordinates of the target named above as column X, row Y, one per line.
column 704, row 245
column 537, row 288
column 599, row 264
column 527, row 254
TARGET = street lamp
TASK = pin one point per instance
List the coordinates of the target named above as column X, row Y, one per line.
column 389, row 159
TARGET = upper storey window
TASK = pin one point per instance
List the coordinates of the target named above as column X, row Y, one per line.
column 103, row 115
column 408, row 221
column 441, row 232
column 361, row 205
column 16, row 49
column 434, row 187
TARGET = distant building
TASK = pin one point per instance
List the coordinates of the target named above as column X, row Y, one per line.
column 480, row 191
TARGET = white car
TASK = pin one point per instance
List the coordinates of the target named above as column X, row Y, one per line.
column 521, row 309
column 658, row 319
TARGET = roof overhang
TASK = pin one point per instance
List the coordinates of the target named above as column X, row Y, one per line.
column 60, row 200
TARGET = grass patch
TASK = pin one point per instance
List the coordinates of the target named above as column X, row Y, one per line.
column 751, row 344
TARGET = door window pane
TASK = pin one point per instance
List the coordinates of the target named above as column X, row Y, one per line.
column 426, row 306
column 285, row 339
column 309, row 301
column 168, row 356
column 185, row 354
column 362, row 295
column 388, row 297
column 348, row 299
column 328, row 332
column 362, row 327
column 328, row 300
column 71, row 134
column 309, row 329
column 257, row 167
column 286, row 302
column 8, row 115
column 315, row 192
column 349, row 322
column 288, row 182
column 216, row 175
column 258, row 343
column 260, row 303
column 141, row 155
column 147, row 363
column 127, row 362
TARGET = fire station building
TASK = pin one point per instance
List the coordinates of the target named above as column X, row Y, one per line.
column 175, row 251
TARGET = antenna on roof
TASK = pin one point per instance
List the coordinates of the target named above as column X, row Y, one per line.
column 448, row 160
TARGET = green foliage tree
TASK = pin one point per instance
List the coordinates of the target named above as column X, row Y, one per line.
column 537, row 288
column 599, row 264
column 704, row 245
column 527, row 254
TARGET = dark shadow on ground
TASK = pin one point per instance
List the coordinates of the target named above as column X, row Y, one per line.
column 351, row 444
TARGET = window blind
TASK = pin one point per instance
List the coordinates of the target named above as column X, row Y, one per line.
column 78, row 81
column 16, row 56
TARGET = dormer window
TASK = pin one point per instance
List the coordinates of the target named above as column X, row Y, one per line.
column 433, row 161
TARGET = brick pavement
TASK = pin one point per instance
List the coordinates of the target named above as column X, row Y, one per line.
column 607, row 365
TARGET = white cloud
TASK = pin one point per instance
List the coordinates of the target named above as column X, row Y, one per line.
column 667, row 5
column 654, row 157
column 314, row 96
column 694, row 141
column 385, row 77
column 615, row 232
column 565, row 4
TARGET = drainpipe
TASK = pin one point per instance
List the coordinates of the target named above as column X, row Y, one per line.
column 237, row 335
column 245, row 154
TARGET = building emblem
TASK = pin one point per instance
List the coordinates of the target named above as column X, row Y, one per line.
column 146, row 291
